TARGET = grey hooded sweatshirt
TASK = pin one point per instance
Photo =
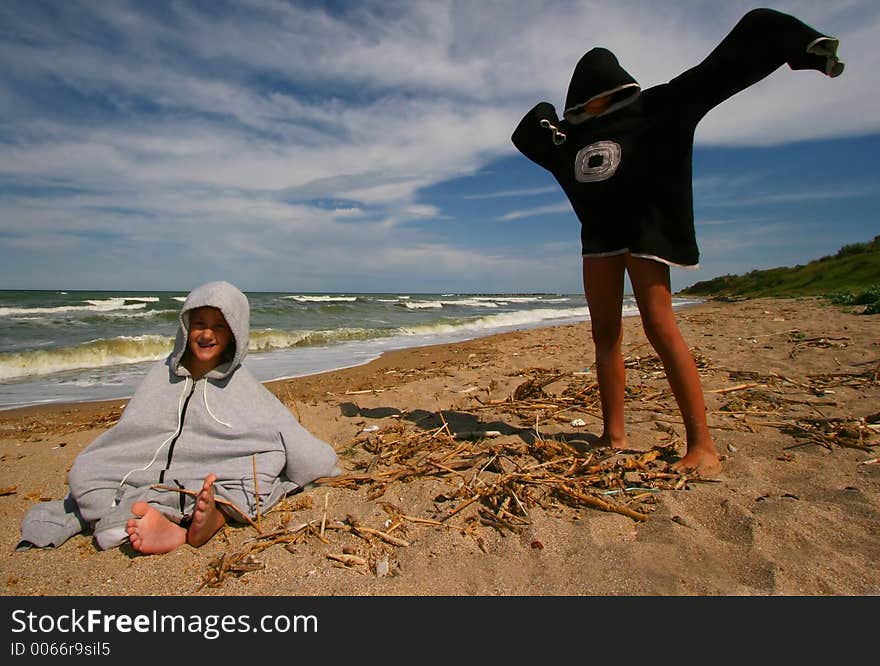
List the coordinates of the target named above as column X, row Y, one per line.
column 175, row 431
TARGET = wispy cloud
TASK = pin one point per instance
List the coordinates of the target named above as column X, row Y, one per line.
column 304, row 137
column 552, row 209
column 813, row 194
column 746, row 193
column 507, row 194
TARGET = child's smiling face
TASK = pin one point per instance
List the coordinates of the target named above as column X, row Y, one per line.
column 208, row 338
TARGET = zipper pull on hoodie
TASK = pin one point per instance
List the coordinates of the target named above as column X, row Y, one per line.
column 558, row 137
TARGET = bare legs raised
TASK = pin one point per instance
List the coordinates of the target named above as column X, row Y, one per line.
column 150, row 532
column 603, row 284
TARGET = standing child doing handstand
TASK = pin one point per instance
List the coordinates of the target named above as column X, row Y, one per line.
column 623, row 156
column 200, row 442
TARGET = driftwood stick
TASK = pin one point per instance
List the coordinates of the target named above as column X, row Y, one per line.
column 521, row 507
column 463, row 505
column 444, row 467
column 424, row 521
column 344, row 478
column 257, row 494
column 605, row 506
column 393, row 540
column 446, row 427
column 455, row 452
column 730, row 389
column 217, row 500
column 347, row 560
column 324, row 518
column 477, row 434
column 549, row 462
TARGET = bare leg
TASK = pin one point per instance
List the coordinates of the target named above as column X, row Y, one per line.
column 603, row 285
column 650, row 280
column 207, row 517
column 152, row 533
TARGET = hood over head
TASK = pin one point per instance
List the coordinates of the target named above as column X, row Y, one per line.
column 598, row 74
column 236, row 310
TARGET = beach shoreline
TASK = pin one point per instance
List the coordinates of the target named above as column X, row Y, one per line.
column 791, row 388
column 93, row 346
column 51, row 406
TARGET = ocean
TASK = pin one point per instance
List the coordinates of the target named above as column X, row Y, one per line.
column 75, row 346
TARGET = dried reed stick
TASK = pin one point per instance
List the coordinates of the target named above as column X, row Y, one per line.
column 217, row 500
column 605, row 506
column 257, row 494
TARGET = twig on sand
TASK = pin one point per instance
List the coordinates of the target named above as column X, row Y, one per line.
column 257, row 494
column 463, row 505
column 730, row 389
column 324, row 518
column 600, row 504
column 347, row 560
column 217, row 500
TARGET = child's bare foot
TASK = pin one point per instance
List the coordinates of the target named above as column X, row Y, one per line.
column 207, row 518
column 703, row 460
column 152, row 533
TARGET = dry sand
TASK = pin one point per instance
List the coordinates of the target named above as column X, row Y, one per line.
column 793, row 395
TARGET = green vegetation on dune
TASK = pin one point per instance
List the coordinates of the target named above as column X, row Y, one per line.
column 851, row 277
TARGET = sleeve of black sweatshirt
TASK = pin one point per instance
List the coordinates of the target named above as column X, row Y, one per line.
column 761, row 42
column 536, row 141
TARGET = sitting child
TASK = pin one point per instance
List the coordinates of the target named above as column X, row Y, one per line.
column 201, row 441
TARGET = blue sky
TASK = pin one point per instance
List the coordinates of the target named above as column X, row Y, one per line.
column 365, row 146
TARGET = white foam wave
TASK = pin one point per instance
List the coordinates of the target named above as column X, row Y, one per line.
column 138, row 315
column 322, row 299
column 475, row 303
column 105, row 305
column 270, row 339
column 510, row 299
column 93, row 354
column 448, row 300
column 504, row 320
column 422, row 305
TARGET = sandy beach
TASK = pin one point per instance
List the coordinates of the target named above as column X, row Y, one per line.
column 471, row 469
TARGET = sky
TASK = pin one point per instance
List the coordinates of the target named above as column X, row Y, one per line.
column 365, row 146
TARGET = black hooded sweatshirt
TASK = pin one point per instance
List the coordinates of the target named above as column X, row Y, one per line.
column 627, row 171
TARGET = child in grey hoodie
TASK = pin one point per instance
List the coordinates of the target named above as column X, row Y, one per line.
column 199, row 422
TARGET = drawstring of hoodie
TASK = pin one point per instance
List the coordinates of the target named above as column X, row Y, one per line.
column 180, row 403
column 558, row 137
column 208, row 408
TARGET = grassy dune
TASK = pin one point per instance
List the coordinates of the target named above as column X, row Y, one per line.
column 852, row 276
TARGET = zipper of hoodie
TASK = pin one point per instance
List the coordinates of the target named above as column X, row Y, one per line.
column 179, row 433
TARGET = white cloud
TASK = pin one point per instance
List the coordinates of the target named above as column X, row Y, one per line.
column 551, row 209
column 285, row 128
column 506, row 194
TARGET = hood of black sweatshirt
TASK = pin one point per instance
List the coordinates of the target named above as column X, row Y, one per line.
column 597, row 74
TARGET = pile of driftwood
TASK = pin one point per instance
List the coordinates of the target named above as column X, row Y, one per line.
column 494, row 481
column 491, row 482
column 800, row 408
column 504, row 479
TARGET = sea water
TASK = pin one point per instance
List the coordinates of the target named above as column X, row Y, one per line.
column 74, row 346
